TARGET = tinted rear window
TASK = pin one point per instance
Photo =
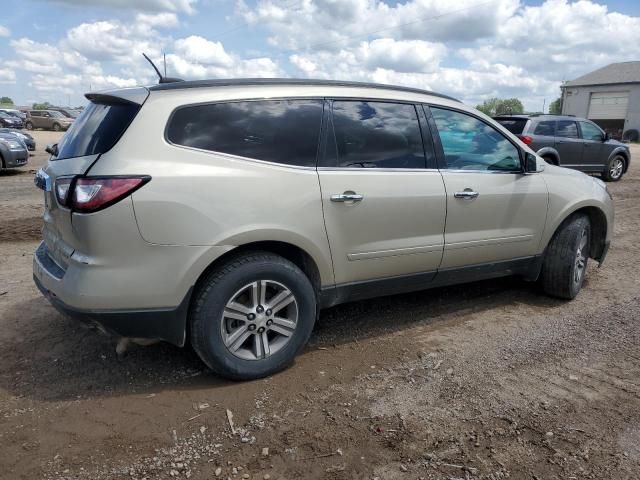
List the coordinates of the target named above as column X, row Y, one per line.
column 547, row 128
column 281, row 131
column 514, row 125
column 375, row 135
column 96, row 130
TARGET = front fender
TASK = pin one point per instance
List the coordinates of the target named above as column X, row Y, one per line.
column 571, row 191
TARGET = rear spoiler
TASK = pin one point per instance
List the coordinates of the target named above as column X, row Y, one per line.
column 120, row 96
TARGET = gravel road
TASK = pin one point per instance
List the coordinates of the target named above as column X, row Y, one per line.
column 490, row 380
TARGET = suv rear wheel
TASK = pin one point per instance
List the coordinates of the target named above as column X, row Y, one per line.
column 252, row 316
column 614, row 169
column 565, row 263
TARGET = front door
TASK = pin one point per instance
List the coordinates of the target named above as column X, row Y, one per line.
column 593, row 157
column 383, row 198
column 494, row 211
column 569, row 144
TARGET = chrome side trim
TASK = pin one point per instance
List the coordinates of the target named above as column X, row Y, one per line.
column 488, row 241
column 394, row 252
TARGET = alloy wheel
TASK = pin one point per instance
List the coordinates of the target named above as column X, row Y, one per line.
column 259, row 320
column 581, row 258
column 616, row 168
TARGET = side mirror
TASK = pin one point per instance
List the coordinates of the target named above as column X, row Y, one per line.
column 531, row 164
column 606, row 137
column 52, row 149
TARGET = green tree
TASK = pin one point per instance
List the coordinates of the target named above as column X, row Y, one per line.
column 555, row 107
column 41, row 106
column 500, row 106
column 6, row 101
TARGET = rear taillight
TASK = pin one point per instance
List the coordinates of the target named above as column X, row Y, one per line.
column 526, row 139
column 90, row 194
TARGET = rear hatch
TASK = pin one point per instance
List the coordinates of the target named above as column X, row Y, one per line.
column 94, row 132
column 514, row 124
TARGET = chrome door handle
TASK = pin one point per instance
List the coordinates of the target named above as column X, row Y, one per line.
column 347, row 197
column 467, row 194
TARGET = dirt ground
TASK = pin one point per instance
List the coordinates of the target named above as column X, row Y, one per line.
column 490, row 380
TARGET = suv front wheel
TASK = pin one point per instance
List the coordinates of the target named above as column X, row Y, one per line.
column 252, row 316
column 614, row 169
column 565, row 263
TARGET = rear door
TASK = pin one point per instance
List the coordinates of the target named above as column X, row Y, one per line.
column 494, row 211
column 383, row 198
column 593, row 154
column 543, row 134
column 93, row 133
column 569, row 144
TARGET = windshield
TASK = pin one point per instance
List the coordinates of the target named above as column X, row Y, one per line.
column 96, row 130
column 4, row 115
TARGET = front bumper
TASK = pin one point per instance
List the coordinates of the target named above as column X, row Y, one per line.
column 15, row 158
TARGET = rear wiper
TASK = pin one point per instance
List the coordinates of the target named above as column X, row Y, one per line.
column 52, row 149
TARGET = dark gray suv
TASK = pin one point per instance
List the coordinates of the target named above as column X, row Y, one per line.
column 571, row 142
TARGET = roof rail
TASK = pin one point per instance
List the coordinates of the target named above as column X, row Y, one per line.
column 178, row 85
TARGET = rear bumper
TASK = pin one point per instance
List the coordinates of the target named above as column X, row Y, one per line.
column 160, row 324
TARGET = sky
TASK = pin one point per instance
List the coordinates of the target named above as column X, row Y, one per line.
column 57, row 50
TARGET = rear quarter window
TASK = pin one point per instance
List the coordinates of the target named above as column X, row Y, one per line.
column 97, row 129
column 280, row 131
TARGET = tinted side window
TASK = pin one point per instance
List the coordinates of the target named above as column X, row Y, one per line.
column 282, row 131
column 591, row 132
column 375, row 135
column 545, row 128
column 470, row 144
column 567, row 129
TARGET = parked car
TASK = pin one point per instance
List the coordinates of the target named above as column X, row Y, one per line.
column 13, row 152
column 14, row 113
column 259, row 202
column 571, row 142
column 26, row 138
column 10, row 121
column 48, row 120
column 67, row 112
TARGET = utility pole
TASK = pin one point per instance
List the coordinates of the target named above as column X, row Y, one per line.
column 164, row 59
column 544, row 102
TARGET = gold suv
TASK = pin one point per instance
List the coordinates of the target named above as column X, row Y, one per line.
column 227, row 213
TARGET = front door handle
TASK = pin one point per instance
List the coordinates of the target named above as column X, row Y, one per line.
column 347, row 197
column 467, row 194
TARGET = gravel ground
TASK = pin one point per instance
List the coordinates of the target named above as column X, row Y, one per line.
column 490, row 380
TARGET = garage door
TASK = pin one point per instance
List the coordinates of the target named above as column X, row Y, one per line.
column 608, row 105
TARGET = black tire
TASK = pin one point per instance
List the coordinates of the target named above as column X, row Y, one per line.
column 28, row 125
column 559, row 276
column 56, row 127
column 220, row 286
column 615, row 169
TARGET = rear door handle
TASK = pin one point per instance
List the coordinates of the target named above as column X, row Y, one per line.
column 467, row 194
column 347, row 197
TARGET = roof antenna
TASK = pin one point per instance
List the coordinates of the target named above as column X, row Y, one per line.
column 161, row 79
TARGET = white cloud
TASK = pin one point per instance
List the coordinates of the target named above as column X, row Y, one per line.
column 334, row 24
column 4, row 31
column 186, row 6
column 200, row 50
column 7, row 75
column 198, row 58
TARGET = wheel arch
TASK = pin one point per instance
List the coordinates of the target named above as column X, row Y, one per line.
column 549, row 152
column 623, row 153
column 599, row 226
